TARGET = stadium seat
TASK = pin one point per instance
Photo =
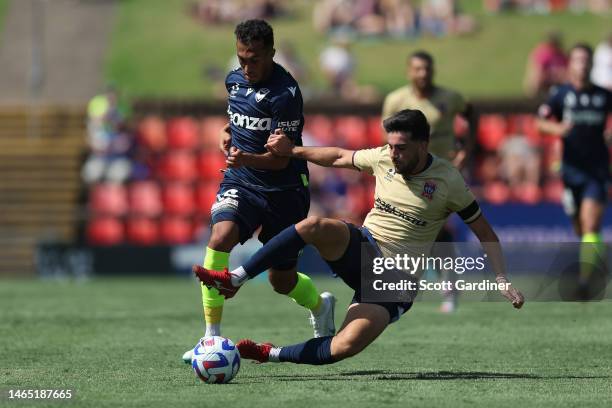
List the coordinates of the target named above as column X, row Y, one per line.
column 496, row 192
column 209, row 165
column 375, row 132
column 525, row 124
column 492, row 130
column 527, row 194
column 209, row 131
column 175, row 230
column 352, row 132
column 553, row 190
column 206, row 195
column 142, row 231
column 108, row 199
column 460, row 126
column 104, row 231
column 178, row 199
column 177, row 166
column 145, row 198
column 321, row 128
column 152, row 133
column 356, row 195
column 183, row 133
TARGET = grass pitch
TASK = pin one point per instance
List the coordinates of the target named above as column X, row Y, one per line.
column 119, row 343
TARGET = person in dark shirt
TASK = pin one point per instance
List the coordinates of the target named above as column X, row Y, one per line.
column 260, row 190
column 577, row 112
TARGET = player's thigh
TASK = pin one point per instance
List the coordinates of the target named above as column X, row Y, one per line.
column 363, row 323
column 330, row 237
column 235, row 215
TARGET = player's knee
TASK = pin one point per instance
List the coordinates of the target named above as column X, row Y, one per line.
column 346, row 347
column 282, row 282
column 224, row 237
column 309, row 227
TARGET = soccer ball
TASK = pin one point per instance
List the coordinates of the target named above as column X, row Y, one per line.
column 215, row 360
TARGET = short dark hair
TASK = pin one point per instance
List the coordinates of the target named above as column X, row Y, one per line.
column 582, row 46
column 409, row 121
column 250, row 31
column 422, row 55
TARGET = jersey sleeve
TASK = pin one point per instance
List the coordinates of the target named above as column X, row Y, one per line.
column 287, row 113
column 553, row 107
column 367, row 159
column 461, row 200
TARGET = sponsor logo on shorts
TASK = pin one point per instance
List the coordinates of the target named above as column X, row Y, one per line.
column 227, row 200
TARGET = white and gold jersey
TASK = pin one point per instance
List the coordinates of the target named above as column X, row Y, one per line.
column 412, row 210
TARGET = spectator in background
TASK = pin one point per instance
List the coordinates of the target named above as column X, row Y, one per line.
column 601, row 74
column 546, row 66
column 110, row 143
column 287, row 57
column 442, row 17
column 338, row 66
column 520, row 163
column 231, row 11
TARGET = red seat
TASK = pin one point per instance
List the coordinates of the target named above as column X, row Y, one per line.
column 108, row 199
column 152, row 133
column 177, row 166
column 183, row 133
column 358, row 201
column 142, row 231
column 553, row 190
column 176, row 230
column 492, row 130
column 460, row 126
column 527, row 194
column 206, row 195
column 178, row 199
column 321, row 128
column 210, row 127
column 496, row 192
column 376, row 134
column 145, row 198
column 210, row 164
column 104, row 231
column 353, row 132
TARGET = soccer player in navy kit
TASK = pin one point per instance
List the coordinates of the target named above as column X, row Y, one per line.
column 577, row 112
column 258, row 188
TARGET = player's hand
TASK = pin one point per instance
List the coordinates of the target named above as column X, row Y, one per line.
column 512, row 294
column 235, row 158
column 225, row 139
column 279, row 144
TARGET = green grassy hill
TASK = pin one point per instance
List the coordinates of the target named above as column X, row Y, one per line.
column 158, row 50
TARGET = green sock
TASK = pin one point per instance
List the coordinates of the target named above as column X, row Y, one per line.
column 592, row 254
column 305, row 293
column 212, row 301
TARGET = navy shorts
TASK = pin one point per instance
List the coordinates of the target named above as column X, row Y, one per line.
column 251, row 208
column 349, row 268
column 580, row 185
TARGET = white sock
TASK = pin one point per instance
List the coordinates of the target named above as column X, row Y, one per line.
column 213, row 330
column 273, row 355
column 239, row 276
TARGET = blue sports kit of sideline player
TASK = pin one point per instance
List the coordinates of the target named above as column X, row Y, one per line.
column 577, row 112
column 260, row 190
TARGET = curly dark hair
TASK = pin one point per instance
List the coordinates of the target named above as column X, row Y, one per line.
column 410, row 121
column 250, row 31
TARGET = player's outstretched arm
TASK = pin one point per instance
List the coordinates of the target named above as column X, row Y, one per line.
column 490, row 243
column 279, row 144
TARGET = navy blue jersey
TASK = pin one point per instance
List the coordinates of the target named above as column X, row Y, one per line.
column 584, row 146
column 255, row 111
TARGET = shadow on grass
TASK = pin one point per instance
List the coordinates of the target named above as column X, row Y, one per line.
column 369, row 375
